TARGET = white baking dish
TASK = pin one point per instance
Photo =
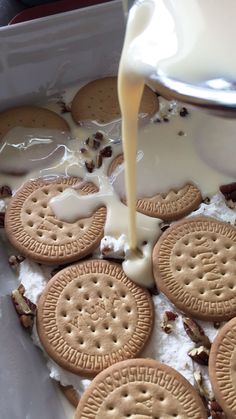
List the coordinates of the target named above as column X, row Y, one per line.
column 38, row 59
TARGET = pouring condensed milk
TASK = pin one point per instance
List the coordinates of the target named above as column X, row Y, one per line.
column 186, row 164
column 183, row 49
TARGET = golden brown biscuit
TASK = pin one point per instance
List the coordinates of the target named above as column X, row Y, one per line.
column 169, row 206
column 140, row 388
column 98, row 101
column 91, row 315
column 194, row 266
column 31, row 117
column 35, row 232
column 222, row 368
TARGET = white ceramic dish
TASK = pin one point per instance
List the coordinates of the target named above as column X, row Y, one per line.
column 38, row 59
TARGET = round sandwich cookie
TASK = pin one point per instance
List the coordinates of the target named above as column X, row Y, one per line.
column 35, row 232
column 71, row 394
column 194, row 266
column 91, row 315
column 222, row 368
column 169, row 206
column 98, row 101
column 140, row 388
column 31, row 117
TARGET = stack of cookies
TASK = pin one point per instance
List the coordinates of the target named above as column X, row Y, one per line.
column 94, row 321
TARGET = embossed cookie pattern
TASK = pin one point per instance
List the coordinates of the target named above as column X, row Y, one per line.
column 31, row 117
column 170, row 206
column 194, row 265
column 34, row 230
column 98, row 101
column 141, row 388
column 91, row 316
column 222, row 367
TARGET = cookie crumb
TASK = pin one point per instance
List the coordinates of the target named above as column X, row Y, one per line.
column 5, row 191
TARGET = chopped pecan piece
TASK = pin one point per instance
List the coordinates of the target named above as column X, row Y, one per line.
column 230, row 203
column 27, row 321
column 200, row 355
column 167, row 328
column 206, row 200
column 99, row 159
column 229, row 191
column 21, row 303
column 93, row 143
column 199, row 384
column 2, row 219
column 15, row 260
column 99, row 135
column 164, row 225
column 25, row 309
column 168, row 317
column 195, row 332
column 107, row 250
column 106, row 151
column 183, row 112
column 216, row 411
column 83, row 150
column 96, row 144
column 89, row 141
column 5, row 191
column 89, row 164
